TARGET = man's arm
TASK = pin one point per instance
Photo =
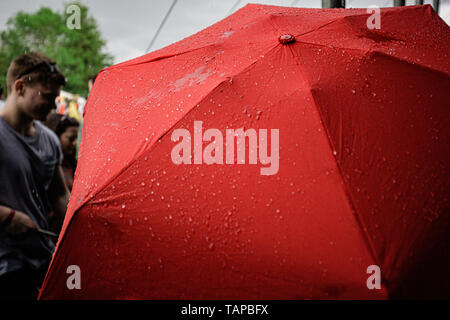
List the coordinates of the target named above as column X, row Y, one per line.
column 19, row 224
column 59, row 196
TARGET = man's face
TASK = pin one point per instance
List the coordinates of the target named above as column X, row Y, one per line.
column 38, row 100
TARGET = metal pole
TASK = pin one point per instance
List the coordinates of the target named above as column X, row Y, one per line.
column 399, row 3
column 419, row 2
column 436, row 5
column 333, row 3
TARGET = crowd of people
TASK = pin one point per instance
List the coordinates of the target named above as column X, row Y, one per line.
column 39, row 139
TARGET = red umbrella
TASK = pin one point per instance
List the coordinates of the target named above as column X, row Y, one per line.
column 340, row 165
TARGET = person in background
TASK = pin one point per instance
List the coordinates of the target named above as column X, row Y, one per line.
column 91, row 81
column 59, row 105
column 73, row 111
column 2, row 102
column 31, row 178
column 66, row 129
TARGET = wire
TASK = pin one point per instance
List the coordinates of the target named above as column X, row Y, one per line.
column 233, row 7
column 161, row 26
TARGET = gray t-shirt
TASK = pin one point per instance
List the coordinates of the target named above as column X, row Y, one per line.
column 27, row 167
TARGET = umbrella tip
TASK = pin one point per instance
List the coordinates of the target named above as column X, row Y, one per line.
column 286, row 38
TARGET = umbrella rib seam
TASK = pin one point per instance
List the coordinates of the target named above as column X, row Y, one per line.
column 157, row 58
column 376, row 51
column 331, row 22
column 347, row 192
column 357, row 215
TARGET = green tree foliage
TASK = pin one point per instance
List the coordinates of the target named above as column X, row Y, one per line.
column 78, row 52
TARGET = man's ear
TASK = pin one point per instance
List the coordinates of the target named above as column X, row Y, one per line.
column 19, row 87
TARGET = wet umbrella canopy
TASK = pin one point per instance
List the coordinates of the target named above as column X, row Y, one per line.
column 350, row 123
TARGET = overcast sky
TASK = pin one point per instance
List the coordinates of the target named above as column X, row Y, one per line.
column 128, row 26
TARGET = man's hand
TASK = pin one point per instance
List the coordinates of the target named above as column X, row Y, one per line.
column 20, row 224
